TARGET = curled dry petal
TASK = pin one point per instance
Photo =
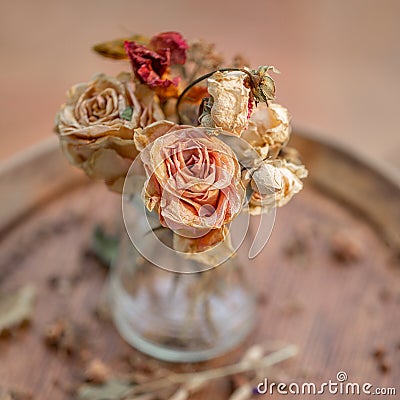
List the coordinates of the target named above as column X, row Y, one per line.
column 144, row 136
column 268, row 129
column 228, row 105
column 211, row 249
column 96, row 124
column 150, row 66
column 173, row 41
column 193, row 181
column 274, row 184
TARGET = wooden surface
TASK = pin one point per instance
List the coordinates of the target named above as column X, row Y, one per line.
column 338, row 313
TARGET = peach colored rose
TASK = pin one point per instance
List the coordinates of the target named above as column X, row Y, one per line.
column 193, row 182
column 96, row 125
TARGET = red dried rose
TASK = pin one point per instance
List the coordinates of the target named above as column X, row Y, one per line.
column 174, row 42
column 151, row 64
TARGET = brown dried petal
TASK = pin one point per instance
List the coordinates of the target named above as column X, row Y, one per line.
column 107, row 158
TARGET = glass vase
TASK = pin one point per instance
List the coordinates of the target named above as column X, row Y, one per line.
column 175, row 316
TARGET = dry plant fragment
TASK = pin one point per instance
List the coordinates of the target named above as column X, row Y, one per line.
column 345, row 247
column 164, row 384
column 111, row 390
column 16, row 308
column 216, row 373
column 65, row 336
column 15, row 395
column 97, row 371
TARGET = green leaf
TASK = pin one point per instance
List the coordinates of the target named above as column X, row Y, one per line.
column 127, row 113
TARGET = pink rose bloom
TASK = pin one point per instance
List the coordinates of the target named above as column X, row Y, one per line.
column 193, row 182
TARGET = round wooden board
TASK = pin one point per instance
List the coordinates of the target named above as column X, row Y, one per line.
column 337, row 312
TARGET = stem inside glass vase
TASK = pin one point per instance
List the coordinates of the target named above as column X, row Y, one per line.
column 180, row 317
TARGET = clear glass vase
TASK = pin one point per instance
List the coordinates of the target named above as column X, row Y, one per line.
column 180, row 317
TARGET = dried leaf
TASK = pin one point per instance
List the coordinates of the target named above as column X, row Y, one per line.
column 180, row 394
column 14, row 394
column 104, row 245
column 115, row 48
column 16, row 308
column 244, row 392
column 111, row 390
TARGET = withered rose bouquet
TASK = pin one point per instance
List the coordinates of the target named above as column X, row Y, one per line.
column 209, row 138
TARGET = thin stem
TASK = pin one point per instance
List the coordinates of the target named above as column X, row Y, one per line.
column 267, row 361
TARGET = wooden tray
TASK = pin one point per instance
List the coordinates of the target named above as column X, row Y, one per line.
column 339, row 301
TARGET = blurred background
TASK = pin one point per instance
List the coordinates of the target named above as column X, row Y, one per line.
column 340, row 59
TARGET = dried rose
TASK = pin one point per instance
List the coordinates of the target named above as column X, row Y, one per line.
column 227, row 108
column 268, row 129
column 96, row 125
column 264, row 90
column 274, row 183
column 151, row 64
column 174, row 42
column 193, row 182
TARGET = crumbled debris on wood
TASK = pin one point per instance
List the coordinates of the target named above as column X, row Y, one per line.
column 384, row 366
column 96, row 371
column 379, row 352
column 345, row 247
column 65, row 336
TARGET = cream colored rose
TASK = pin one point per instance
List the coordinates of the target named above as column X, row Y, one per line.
column 193, row 182
column 274, row 183
column 268, row 129
column 96, row 124
column 227, row 108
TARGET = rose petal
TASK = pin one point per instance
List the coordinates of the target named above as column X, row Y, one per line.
column 228, row 107
column 149, row 66
column 173, row 41
column 211, row 250
column 284, row 184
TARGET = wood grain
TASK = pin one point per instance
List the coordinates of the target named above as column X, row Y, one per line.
column 337, row 313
